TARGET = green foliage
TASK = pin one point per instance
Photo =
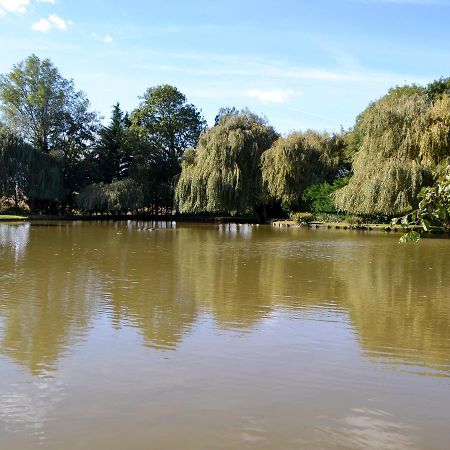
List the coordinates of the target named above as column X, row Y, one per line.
column 167, row 122
column 162, row 128
column 434, row 206
column 302, row 217
column 27, row 171
column 318, row 197
column 224, row 173
column 401, row 137
column 437, row 88
column 56, row 148
column 119, row 196
column 112, row 157
column 46, row 111
column 354, row 221
column 227, row 111
column 44, row 108
column 298, row 161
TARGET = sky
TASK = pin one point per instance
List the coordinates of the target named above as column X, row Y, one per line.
column 300, row 63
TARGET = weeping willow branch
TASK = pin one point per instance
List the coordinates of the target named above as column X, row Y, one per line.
column 403, row 136
column 35, row 174
column 298, row 161
column 223, row 173
column 118, row 196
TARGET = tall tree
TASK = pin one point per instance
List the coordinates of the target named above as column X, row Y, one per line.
column 298, row 161
column 46, row 111
column 402, row 136
column 166, row 121
column 162, row 128
column 112, row 154
column 44, row 108
column 223, row 174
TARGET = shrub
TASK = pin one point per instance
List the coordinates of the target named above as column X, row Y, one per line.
column 354, row 221
column 302, row 217
column 317, row 197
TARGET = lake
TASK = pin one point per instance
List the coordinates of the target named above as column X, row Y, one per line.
column 114, row 336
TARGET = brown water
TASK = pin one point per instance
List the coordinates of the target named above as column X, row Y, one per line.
column 222, row 337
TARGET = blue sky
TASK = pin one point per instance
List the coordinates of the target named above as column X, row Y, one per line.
column 302, row 64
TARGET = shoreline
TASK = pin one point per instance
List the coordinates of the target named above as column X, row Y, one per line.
column 373, row 227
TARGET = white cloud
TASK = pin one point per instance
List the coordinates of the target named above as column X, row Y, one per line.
column 14, row 6
column 19, row 6
column 42, row 26
column 53, row 21
column 272, row 95
column 107, row 39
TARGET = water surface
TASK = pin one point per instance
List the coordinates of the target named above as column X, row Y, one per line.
column 221, row 337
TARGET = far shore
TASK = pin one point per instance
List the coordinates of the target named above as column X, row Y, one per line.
column 280, row 223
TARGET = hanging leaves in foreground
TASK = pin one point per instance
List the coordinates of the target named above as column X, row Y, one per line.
column 433, row 209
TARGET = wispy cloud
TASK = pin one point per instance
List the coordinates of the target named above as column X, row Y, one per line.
column 271, row 95
column 278, row 71
column 14, row 6
column 19, row 6
column 53, row 21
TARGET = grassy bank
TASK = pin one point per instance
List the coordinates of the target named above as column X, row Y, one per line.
column 11, row 218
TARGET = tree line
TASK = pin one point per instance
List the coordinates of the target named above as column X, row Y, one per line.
column 56, row 157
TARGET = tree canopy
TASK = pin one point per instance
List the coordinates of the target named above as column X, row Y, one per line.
column 223, row 174
column 44, row 108
column 166, row 121
column 56, row 156
column 118, row 196
column 401, row 137
column 299, row 160
column 111, row 156
column 27, row 171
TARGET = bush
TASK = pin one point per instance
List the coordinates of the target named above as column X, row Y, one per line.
column 302, row 217
column 354, row 221
column 317, row 197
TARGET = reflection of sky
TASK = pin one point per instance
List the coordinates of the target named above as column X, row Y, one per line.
column 15, row 238
column 369, row 429
column 27, row 405
column 236, row 229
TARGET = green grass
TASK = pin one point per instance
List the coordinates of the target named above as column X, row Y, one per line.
column 9, row 218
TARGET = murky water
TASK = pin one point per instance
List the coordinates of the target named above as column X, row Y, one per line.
column 221, row 337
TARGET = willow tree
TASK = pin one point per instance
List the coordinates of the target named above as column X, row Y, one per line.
column 25, row 171
column 298, row 161
column 402, row 136
column 223, row 174
column 118, row 196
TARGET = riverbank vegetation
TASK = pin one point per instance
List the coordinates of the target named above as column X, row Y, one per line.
column 56, row 157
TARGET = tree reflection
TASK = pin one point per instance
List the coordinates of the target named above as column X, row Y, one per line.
column 162, row 280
